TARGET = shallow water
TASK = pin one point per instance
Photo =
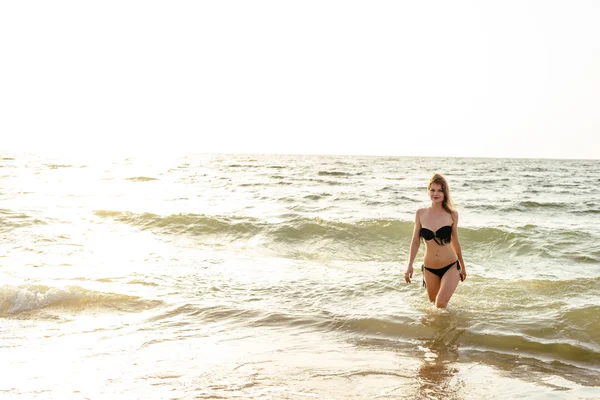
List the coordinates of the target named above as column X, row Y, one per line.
column 254, row 276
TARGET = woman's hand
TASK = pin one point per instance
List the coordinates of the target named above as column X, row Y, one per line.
column 408, row 274
column 463, row 274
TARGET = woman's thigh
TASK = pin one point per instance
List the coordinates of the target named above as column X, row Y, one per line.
column 447, row 286
column 432, row 282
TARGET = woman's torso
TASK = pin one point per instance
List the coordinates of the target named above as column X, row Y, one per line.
column 436, row 255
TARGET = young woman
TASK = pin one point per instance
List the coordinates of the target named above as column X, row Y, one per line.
column 443, row 264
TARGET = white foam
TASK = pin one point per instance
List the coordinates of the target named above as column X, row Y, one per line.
column 26, row 298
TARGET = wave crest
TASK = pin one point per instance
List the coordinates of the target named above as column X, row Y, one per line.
column 374, row 239
column 15, row 300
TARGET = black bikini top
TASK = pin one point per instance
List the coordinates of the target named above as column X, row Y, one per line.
column 444, row 234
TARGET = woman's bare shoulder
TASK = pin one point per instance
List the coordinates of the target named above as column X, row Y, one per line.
column 421, row 211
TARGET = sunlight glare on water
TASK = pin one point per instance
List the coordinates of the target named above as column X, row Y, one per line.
column 207, row 276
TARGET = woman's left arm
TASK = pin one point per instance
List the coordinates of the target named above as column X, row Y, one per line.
column 457, row 249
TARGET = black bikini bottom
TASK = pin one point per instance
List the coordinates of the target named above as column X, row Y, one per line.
column 439, row 271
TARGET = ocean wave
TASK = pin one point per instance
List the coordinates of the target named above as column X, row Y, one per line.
column 297, row 228
column 10, row 220
column 527, row 205
column 310, row 229
column 524, row 207
column 141, row 179
column 589, row 211
column 565, row 351
column 583, row 319
column 377, row 239
column 330, row 183
column 57, row 166
column 441, row 331
column 251, row 184
column 471, row 338
column 528, row 294
column 243, row 166
column 194, row 224
column 334, row 173
column 217, row 313
column 403, row 199
column 317, row 196
column 490, row 235
column 459, row 333
column 15, row 300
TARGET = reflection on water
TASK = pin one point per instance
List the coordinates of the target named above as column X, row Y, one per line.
column 436, row 373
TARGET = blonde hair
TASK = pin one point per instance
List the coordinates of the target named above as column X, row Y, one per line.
column 447, row 203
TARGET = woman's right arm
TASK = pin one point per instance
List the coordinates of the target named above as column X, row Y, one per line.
column 414, row 246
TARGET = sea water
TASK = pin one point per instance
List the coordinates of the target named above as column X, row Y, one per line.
column 282, row 277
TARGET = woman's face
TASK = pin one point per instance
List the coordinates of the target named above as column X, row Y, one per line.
column 436, row 194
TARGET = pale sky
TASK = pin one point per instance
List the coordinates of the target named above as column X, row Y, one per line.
column 427, row 78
